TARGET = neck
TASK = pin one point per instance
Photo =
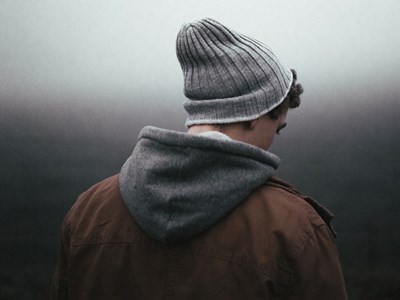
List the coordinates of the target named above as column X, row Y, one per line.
column 235, row 131
column 196, row 129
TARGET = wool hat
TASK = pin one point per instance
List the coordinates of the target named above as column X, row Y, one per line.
column 228, row 77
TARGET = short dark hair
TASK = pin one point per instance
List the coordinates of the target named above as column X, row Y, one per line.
column 292, row 99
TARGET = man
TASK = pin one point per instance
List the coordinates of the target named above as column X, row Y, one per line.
column 198, row 215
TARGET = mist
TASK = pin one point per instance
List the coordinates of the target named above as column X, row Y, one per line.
column 79, row 80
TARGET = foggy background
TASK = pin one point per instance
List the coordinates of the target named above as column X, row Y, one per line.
column 79, row 79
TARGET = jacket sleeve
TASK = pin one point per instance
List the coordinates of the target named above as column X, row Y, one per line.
column 318, row 271
column 60, row 280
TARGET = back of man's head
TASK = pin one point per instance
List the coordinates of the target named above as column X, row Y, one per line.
column 230, row 77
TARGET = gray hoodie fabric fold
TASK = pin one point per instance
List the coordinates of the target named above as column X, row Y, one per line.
column 177, row 185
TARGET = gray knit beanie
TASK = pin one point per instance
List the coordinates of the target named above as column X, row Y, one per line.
column 228, row 77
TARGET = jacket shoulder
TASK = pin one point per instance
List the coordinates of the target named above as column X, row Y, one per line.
column 99, row 215
column 95, row 197
column 280, row 215
column 319, row 210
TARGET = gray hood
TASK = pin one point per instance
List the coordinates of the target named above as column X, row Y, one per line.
column 176, row 184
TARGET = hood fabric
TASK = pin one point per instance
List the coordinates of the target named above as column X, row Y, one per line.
column 177, row 185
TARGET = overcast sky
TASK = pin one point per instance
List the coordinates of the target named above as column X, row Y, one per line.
column 119, row 49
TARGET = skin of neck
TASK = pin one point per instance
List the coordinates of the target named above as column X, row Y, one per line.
column 259, row 132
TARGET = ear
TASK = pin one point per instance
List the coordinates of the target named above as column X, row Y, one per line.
column 253, row 124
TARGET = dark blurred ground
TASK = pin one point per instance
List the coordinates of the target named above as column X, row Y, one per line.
column 348, row 160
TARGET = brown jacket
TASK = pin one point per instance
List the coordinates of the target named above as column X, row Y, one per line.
column 274, row 245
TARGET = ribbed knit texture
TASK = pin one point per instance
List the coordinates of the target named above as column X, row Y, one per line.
column 228, row 77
